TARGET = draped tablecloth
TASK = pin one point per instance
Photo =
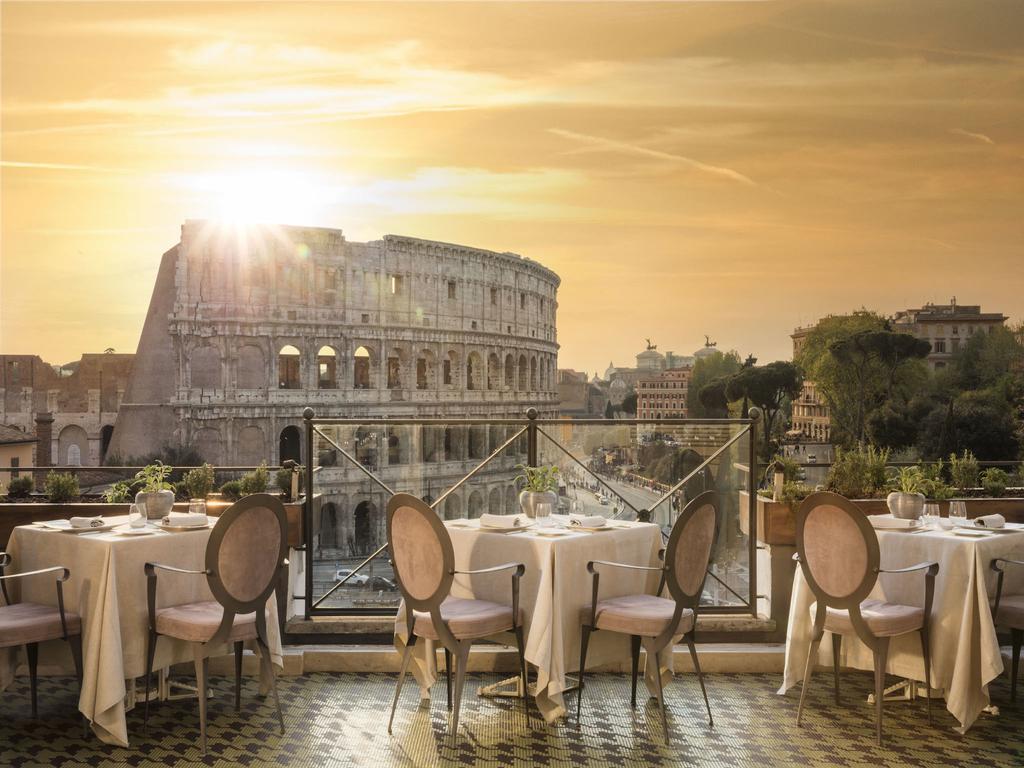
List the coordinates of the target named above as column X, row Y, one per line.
column 108, row 589
column 965, row 654
column 553, row 594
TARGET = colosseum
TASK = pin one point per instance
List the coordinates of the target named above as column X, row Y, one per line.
column 247, row 328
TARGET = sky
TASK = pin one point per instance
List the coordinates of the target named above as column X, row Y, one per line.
column 735, row 169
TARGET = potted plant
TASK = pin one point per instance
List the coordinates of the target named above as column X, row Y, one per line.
column 198, row 483
column 907, row 501
column 540, row 484
column 157, row 492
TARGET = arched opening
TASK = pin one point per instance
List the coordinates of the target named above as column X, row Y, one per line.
column 533, row 374
column 73, row 446
column 361, row 368
column 329, row 526
column 327, row 368
column 493, row 371
column 425, row 370
column 428, row 444
column 449, row 444
column 366, row 448
column 522, row 374
column 511, row 504
column 395, row 370
column 476, row 504
column 448, row 368
column 494, row 501
column 365, row 527
column 452, row 507
column 205, row 367
column 209, row 445
column 396, row 452
column 474, row 374
column 289, row 445
column 288, row 367
column 251, row 371
column 106, row 433
column 494, row 438
column 477, row 442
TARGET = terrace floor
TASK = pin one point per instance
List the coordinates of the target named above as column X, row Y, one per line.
column 341, row 720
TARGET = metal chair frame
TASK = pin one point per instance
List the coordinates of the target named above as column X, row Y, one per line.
column 1016, row 633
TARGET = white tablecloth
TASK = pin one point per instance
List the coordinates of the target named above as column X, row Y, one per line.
column 964, row 650
column 553, row 593
column 108, row 589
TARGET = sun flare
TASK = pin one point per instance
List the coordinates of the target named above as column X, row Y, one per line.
column 261, row 197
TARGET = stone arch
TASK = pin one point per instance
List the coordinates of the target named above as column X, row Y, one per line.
column 289, row 367
column 209, row 444
column 366, row 526
column 289, row 445
column 366, row 447
column 494, row 501
column 474, row 371
column 396, row 369
column 452, row 507
column 73, row 446
column 478, row 442
column 398, row 445
column 327, row 368
column 106, row 434
column 205, row 367
column 533, row 374
column 495, row 437
column 450, row 369
column 251, row 446
column 510, row 372
column 329, row 529
column 521, row 384
column 252, row 372
column 426, row 370
column 493, row 371
column 476, row 504
column 362, row 368
column 511, row 503
column 428, row 444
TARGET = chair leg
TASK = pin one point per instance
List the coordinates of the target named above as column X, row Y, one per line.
column 461, row 662
column 926, row 653
column 521, row 647
column 75, row 642
column 837, row 646
column 32, row 651
column 812, row 656
column 700, row 676
column 660, row 692
column 401, row 676
column 585, row 631
column 448, row 676
column 634, row 641
column 881, row 657
column 268, row 669
column 150, row 654
column 1017, row 639
column 239, row 645
column 202, row 667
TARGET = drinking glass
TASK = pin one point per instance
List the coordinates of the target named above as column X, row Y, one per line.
column 958, row 512
column 931, row 515
column 197, row 506
column 137, row 515
column 544, row 510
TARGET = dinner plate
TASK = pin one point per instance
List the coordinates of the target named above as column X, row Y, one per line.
column 972, row 533
column 169, row 527
column 65, row 526
column 585, row 528
column 127, row 530
column 970, row 525
column 553, row 532
column 503, row 528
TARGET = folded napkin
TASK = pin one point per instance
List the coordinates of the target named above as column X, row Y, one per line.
column 488, row 520
column 888, row 521
column 86, row 522
column 186, row 518
column 990, row 521
column 587, row 521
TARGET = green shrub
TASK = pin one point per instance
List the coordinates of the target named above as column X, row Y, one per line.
column 20, row 487
column 907, row 480
column 963, row 470
column 790, row 468
column 858, row 473
column 255, row 481
column 231, row 490
column 199, row 482
column 994, row 481
column 795, row 492
column 61, row 487
column 119, row 493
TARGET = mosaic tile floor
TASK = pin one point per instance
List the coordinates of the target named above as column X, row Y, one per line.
column 341, row 720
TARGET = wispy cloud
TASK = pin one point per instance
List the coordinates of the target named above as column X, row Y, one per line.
column 58, row 167
column 972, row 135
column 601, row 144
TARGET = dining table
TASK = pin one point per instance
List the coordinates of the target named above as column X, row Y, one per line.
column 108, row 589
column 554, row 591
column 965, row 652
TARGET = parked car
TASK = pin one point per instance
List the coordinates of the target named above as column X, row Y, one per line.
column 381, row 583
column 360, row 578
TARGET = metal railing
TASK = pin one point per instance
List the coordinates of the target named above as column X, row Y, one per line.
column 594, row 475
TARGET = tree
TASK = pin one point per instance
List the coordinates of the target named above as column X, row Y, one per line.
column 609, row 410
column 768, row 387
column 706, row 370
column 629, row 404
column 981, row 422
column 713, row 398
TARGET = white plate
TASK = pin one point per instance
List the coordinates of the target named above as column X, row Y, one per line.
column 970, row 525
column 127, row 530
column 171, row 527
column 503, row 529
column 65, row 526
column 555, row 531
column 586, row 529
column 972, row 533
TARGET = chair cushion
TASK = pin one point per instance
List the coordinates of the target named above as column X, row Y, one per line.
column 1011, row 611
column 197, row 622
column 883, row 619
column 23, row 623
column 467, row 619
column 645, row 615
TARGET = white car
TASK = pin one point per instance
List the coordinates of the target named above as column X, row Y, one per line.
column 359, row 578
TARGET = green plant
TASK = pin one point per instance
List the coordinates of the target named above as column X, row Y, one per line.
column 790, row 468
column 119, row 493
column 994, row 481
column 937, row 489
column 20, row 487
column 283, row 479
column 963, row 470
column 199, row 481
column 794, row 492
column 154, row 477
column 255, row 481
column 231, row 490
column 61, row 487
column 858, row 473
column 908, row 480
column 538, row 479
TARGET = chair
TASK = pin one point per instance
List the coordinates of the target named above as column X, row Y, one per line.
column 30, row 624
column 657, row 618
column 838, row 553
column 424, row 563
column 244, row 554
column 1009, row 612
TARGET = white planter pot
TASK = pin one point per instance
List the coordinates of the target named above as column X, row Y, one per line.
column 907, row 506
column 528, row 501
column 158, row 503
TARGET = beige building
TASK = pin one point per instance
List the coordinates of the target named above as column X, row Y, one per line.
column 578, row 397
column 946, row 327
column 811, row 421
column 662, row 395
column 16, row 448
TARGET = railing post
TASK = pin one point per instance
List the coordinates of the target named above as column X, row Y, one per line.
column 307, row 511
column 755, row 417
column 531, row 437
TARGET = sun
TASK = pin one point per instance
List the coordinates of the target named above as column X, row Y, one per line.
column 272, row 196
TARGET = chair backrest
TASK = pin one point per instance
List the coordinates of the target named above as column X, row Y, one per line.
column 421, row 552
column 838, row 549
column 689, row 548
column 246, row 549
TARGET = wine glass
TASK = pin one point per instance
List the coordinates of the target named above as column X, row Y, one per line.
column 931, row 515
column 544, row 509
column 958, row 513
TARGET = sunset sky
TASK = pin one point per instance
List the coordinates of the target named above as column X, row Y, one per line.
column 728, row 168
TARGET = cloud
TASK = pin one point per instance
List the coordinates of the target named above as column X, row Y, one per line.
column 58, row 167
column 597, row 143
column 972, row 135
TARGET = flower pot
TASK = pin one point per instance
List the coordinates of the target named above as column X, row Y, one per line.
column 907, row 506
column 158, row 503
column 528, row 501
